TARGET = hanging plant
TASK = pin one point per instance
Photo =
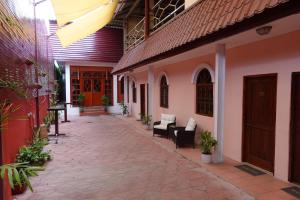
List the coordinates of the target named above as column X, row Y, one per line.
column 14, row 86
column 6, row 109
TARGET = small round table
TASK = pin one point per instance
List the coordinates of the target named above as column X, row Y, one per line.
column 55, row 110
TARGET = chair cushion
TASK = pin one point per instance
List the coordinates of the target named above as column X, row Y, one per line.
column 167, row 119
column 191, row 125
column 161, row 126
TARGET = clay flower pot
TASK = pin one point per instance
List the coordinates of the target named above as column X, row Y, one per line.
column 19, row 190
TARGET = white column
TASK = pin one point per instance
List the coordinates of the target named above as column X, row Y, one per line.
column 219, row 91
column 68, row 83
column 126, row 89
column 115, row 99
column 150, row 99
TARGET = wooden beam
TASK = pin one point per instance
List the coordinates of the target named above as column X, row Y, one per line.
column 133, row 6
column 147, row 19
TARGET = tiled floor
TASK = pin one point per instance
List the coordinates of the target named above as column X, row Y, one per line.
column 264, row 187
column 112, row 159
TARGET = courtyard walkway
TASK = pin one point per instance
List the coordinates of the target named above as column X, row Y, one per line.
column 106, row 158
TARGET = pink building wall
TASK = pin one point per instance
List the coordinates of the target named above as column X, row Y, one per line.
column 279, row 55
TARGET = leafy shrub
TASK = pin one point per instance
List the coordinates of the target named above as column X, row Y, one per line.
column 18, row 174
column 207, row 142
column 34, row 154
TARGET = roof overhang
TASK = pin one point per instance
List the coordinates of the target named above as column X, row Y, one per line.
column 271, row 14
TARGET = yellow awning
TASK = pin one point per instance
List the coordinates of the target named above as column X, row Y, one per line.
column 87, row 24
column 68, row 10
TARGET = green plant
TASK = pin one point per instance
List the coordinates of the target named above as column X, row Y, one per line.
column 6, row 109
column 14, row 86
column 81, row 99
column 105, row 101
column 147, row 119
column 124, row 108
column 207, row 142
column 141, row 116
column 18, row 174
column 34, row 153
column 47, row 122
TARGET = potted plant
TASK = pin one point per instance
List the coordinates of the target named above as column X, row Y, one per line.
column 18, row 176
column 105, row 102
column 141, row 117
column 207, row 143
column 34, row 154
column 124, row 108
column 81, row 101
column 147, row 121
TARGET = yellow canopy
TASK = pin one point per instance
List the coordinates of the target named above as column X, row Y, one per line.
column 87, row 24
column 68, row 10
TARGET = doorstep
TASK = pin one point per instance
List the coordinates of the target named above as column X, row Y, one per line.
column 263, row 187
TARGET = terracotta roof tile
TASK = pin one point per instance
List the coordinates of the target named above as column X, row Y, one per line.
column 202, row 19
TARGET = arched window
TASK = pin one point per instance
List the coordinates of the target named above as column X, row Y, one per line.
column 164, row 92
column 204, row 94
column 133, row 92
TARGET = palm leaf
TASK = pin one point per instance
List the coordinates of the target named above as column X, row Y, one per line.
column 10, row 177
column 27, row 182
column 17, row 176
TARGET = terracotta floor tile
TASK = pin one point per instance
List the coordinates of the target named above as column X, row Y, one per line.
column 113, row 158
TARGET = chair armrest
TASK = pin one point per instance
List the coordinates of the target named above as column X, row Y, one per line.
column 171, row 124
column 156, row 123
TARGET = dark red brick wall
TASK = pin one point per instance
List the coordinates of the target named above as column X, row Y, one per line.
column 17, row 47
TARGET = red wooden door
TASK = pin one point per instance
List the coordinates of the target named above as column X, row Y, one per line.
column 295, row 137
column 259, row 120
column 143, row 99
column 98, row 91
column 87, row 91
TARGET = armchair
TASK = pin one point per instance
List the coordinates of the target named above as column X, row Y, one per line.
column 184, row 135
column 162, row 127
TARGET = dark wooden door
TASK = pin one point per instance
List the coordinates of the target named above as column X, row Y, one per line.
column 259, row 120
column 295, row 130
column 143, row 99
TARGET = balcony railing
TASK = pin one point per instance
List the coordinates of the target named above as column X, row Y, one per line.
column 161, row 12
column 135, row 35
column 164, row 10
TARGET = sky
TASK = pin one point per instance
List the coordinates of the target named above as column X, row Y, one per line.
column 45, row 10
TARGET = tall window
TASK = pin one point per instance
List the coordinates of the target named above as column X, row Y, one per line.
column 204, row 94
column 133, row 93
column 164, row 92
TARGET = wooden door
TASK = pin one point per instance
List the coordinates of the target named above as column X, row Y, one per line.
column 143, row 99
column 259, row 120
column 98, row 91
column 295, row 130
column 87, row 91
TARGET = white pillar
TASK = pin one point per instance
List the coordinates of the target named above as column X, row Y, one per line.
column 150, row 92
column 115, row 99
column 220, row 65
column 125, row 89
column 68, row 83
